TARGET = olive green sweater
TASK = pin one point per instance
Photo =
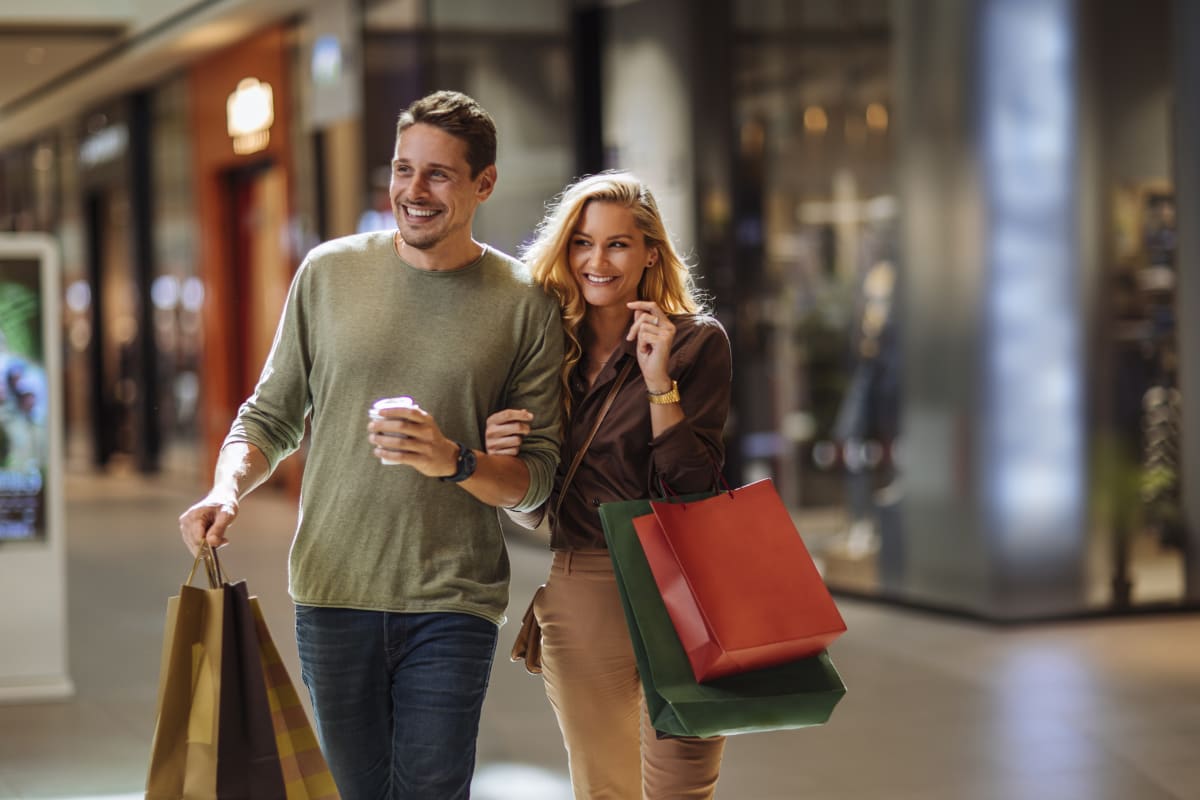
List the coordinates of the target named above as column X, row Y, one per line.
column 360, row 324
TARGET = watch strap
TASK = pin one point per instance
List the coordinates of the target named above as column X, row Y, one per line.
column 461, row 469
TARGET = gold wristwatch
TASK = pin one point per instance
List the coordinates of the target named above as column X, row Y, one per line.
column 665, row 398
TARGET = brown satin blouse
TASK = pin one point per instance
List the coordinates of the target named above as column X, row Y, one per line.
column 624, row 457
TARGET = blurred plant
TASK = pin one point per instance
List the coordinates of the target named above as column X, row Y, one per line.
column 1160, row 484
column 19, row 305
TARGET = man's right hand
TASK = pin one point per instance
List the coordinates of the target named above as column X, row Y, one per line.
column 506, row 430
column 207, row 521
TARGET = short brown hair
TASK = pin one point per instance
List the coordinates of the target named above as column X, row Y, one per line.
column 458, row 115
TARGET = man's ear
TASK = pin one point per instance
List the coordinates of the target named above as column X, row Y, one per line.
column 485, row 183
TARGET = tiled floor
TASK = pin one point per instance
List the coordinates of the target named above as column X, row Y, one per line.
column 937, row 709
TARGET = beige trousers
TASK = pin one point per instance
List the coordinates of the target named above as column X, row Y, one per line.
column 592, row 681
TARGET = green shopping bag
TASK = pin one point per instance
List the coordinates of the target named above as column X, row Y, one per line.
column 796, row 695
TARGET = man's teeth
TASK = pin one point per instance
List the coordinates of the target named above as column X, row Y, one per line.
column 420, row 212
column 599, row 281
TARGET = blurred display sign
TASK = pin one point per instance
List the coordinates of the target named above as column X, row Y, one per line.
column 250, row 112
column 24, row 393
column 335, row 63
column 107, row 144
column 33, row 552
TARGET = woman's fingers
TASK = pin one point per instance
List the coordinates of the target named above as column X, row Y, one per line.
column 506, row 430
column 648, row 318
column 510, row 415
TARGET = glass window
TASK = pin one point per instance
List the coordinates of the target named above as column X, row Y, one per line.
column 813, row 109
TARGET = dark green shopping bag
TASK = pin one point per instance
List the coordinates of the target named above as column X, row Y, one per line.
column 796, row 695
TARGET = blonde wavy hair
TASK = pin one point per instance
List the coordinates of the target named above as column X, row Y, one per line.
column 668, row 282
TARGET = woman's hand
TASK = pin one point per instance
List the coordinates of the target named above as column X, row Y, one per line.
column 506, row 430
column 654, row 334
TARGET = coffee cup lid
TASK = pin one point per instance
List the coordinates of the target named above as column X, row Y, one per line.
column 403, row 401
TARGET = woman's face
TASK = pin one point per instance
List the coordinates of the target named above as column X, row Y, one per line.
column 608, row 254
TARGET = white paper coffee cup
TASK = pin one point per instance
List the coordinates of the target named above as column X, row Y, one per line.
column 403, row 401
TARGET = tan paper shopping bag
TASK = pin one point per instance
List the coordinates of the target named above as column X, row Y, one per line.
column 214, row 738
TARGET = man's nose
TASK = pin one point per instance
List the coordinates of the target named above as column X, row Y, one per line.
column 418, row 186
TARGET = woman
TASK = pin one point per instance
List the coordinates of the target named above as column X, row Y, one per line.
column 627, row 299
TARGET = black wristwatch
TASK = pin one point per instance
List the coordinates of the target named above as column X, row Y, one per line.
column 466, row 465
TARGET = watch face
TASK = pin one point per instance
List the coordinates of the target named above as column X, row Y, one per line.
column 467, row 462
column 466, row 465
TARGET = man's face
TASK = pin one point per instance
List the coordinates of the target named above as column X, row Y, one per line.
column 432, row 192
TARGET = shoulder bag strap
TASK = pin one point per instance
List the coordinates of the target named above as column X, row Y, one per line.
column 575, row 462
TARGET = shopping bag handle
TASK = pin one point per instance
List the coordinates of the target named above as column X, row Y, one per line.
column 212, row 567
column 671, row 496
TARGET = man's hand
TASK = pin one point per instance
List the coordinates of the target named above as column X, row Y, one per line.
column 411, row 436
column 506, row 430
column 207, row 521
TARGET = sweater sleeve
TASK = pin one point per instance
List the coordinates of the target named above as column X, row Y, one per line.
column 272, row 418
column 535, row 386
column 687, row 454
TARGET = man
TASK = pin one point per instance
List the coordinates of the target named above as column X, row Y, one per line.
column 398, row 569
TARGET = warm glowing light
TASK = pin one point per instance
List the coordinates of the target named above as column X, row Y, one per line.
column 815, row 119
column 250, row 112
column 877, row 117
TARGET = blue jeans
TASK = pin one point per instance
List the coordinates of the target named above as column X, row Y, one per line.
column 397, row 698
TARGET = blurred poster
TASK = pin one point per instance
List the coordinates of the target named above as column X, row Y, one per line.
column 24, row 402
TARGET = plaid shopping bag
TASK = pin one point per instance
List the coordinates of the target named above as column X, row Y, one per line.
column 305, row 773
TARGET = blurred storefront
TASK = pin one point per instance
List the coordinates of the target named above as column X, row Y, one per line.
column 817, row 210
column 242, row 117
column 957, row 282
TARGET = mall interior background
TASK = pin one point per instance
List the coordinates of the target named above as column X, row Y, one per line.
column 948, row 240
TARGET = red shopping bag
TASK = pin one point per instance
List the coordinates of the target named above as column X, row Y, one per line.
column 742, row 591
